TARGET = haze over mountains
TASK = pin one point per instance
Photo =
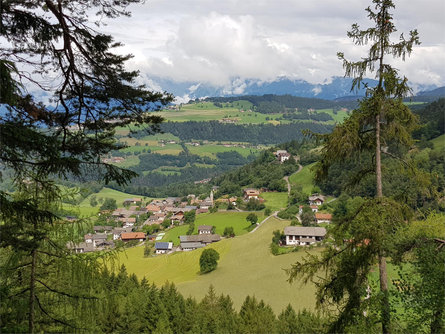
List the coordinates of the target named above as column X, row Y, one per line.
column 336, row 88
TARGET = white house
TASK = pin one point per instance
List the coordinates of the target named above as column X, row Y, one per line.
column 205, row 229
column 163, row 247
column 299, row 235
column 316, row 199
column 323, row 217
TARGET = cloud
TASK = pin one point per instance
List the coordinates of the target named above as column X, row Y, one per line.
column 216, row 41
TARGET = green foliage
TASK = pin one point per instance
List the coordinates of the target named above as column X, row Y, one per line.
column 109, row 204
column 267, row 211
column 252, row 218
column 208, row 260
column 256, row 317
column 254, row 205
column 229, row 232
column 189, row 217
column 93, row 201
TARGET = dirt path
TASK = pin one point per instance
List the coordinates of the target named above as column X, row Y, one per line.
column 286, row 178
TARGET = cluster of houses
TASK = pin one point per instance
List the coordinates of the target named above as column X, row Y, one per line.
column 314, row 202
column 204, row 237
column 171, row 208
column 113, row 160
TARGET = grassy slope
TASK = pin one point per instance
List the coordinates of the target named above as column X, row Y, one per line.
column 439, row 143
column 275, row 201
column 84, row 209
column 303, row 178
column 222, row 220
column 246, row 268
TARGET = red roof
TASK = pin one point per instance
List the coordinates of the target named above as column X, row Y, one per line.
column 326, row 216
column 132, row 235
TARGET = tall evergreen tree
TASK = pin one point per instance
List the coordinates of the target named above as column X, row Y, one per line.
column 50, row 45
column 380, row 121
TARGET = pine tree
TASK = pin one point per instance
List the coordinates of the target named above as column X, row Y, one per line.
column 381, row 121
column 49, row 44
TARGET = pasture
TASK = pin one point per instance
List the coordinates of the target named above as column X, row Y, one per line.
column 274, row 200
column 439, row 143
column 303, row 178
column 246, row 267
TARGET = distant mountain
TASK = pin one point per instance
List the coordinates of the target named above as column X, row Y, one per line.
column 337, row 88
column 438, row 92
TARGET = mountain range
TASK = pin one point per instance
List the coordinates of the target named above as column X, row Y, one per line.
column 336, row 88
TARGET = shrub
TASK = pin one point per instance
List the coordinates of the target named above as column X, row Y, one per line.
column 208, row 260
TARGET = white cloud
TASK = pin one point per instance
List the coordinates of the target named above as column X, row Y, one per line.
column 216, row 41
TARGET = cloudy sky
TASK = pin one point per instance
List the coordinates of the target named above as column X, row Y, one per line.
column 214, row 41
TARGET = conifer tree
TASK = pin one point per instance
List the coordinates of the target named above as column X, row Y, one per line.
column 380, row 121
column 49, row 45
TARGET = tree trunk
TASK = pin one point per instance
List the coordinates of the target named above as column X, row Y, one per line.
column 385, row 317
column 32, row 294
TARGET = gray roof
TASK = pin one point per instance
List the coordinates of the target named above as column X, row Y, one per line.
column 99, row 236
column 204, row 238
column 102, row 228
column 192, row 245
column 305, row 231
column 163, row 245
column 205, row 228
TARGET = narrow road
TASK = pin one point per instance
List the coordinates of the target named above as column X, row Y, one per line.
column 286, row 178
column 264, row 220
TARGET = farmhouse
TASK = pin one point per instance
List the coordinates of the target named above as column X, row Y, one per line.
column 323, row 217
column 81, row 247
column 190, row 242
column 299, row 235
column 251, row 193
column 205, row 229
column 129, row 201
column 316, row 199
column 282, row 155
column 105, row 229
column 129, row 236
column 163, row 247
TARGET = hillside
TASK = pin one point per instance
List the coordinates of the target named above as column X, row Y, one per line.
column 246, row 268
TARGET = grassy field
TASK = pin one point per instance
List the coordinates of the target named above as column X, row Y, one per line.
column 210, row 150
column 439, row 143
column 173, row 234
column 303, row 178
column 275, row 201
column 246, row 267
column 223, row 219
column 338, row 117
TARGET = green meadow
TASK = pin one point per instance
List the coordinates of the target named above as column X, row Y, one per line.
column 211, row 150
column 246, row 267
column 275, row 201
column 303, row 178
column 439, row 143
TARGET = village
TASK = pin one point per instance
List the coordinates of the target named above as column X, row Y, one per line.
column 129, row 224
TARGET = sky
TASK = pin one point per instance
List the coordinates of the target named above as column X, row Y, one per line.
column 215, row 41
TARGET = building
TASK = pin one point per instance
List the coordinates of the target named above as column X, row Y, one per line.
column 163, row 247
column 205, row 229
column 129, row 236
column 282, row 155
column 190, row 242
column 323, row 217
column 129, row 201
column 299, row 235
column 251, row 193
column 316, row 199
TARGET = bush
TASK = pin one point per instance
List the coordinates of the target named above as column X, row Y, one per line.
column 208, row 260
column 229, row 232
column 252, row 218
column 109, row 204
